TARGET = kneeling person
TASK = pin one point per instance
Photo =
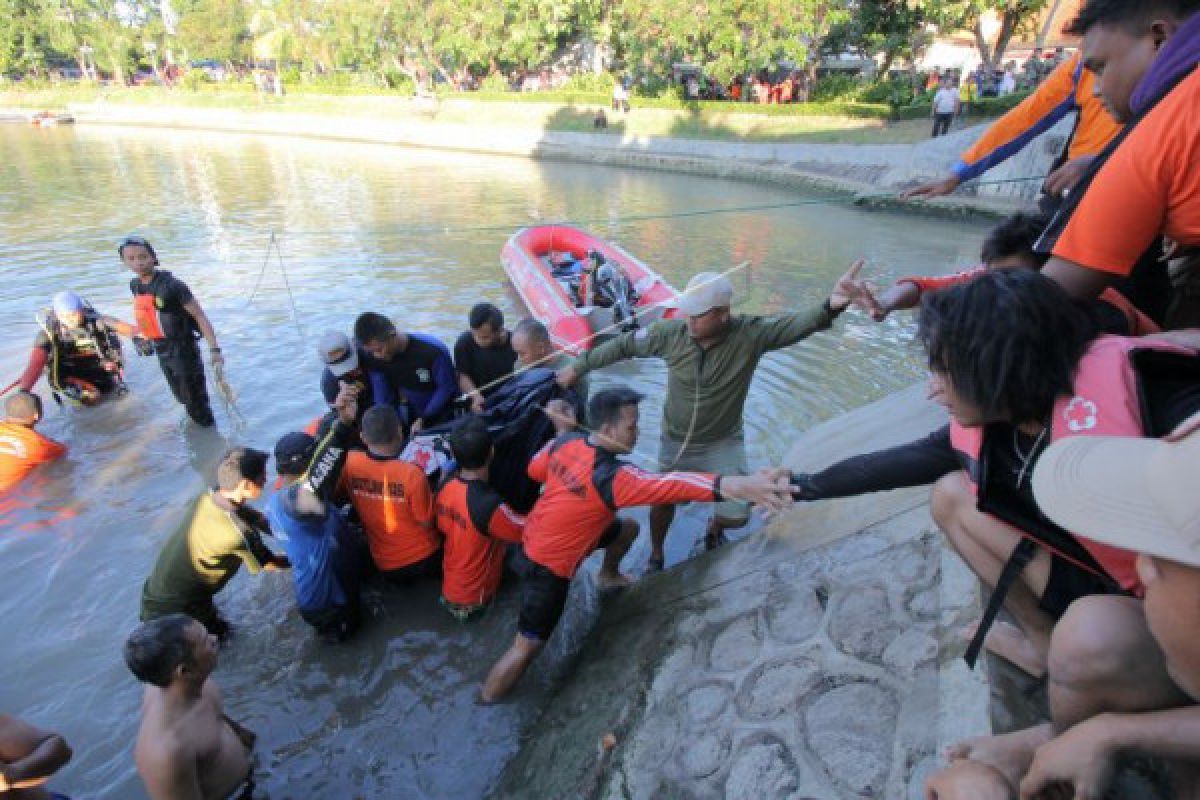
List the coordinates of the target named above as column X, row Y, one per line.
column 186, row 746
column 393, row 500
column 585, row 484
column 477, row 523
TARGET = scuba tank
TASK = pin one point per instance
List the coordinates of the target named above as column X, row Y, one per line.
column 98, row 338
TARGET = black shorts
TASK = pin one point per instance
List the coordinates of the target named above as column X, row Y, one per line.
column 428, row 567
column 543, row 598
column 1068, row 583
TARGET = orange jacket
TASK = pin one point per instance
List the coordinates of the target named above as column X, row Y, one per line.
column 476, row 523
column 393, row 501
column 21, row 449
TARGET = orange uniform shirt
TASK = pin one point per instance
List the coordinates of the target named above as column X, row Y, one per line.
column 585, row 485
column 1149, row 187
column 21, row 449
column 476, row 523
column 393, row 500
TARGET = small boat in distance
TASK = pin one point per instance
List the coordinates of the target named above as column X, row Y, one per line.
column 539, row 261
column 47, row 119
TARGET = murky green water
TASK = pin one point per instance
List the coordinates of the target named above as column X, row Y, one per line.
column 360, row 228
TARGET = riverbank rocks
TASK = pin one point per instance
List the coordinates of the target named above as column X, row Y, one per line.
column 761, row 671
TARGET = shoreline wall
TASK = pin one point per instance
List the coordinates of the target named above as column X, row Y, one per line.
column 867, row 171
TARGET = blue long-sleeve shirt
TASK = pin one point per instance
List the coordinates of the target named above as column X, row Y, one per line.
column 420, row 381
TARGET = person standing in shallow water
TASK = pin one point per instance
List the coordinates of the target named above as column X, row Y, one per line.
column 186, row 747
column 171, row 318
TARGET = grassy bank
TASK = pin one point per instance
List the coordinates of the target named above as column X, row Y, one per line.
column 818, row 123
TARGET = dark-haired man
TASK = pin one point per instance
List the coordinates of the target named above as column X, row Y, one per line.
column 1146, row 184
column 392, row 499
column 711, row 357
column 585, row 484
column 477, row 524
column 219, row 533
column 410, row 371
column 323, row 550
column 483, row 355
column 187, row 748
column 169, row 315
column 21, row 447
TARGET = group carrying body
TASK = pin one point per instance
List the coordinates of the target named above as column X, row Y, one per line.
column 1062, row 477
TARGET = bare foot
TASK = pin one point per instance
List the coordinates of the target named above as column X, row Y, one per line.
column 1009, row 754
column 611, row 581
column 1007, row 641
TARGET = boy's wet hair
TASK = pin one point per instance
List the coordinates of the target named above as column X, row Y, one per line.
column 1009, row 342
column 1015, row 237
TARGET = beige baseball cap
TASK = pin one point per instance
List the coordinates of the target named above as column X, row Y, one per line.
column 704, row 292
column 1137, row 494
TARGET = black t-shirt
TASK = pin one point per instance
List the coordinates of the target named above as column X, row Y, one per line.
column 484, row 366
column 170, row 296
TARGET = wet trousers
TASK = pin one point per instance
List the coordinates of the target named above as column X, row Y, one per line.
column 184, row 370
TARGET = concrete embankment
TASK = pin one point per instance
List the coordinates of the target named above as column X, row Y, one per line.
column 867, row 170
column 817, row 660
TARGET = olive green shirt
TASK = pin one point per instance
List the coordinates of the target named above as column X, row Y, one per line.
column 199, row 558
column 707, row 388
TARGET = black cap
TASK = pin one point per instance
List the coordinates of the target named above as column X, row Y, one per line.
column 293, row 451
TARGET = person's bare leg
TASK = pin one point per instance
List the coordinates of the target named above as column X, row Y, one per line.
column 508, row 670
column 1103, row 658
column 609, row 576
column 714, row 533
column 661, row 518
column 986, row 543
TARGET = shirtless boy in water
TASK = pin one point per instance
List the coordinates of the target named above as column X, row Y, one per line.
column 187, row 749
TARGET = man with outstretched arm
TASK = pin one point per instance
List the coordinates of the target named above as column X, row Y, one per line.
column 187, row 748
column 711, row 357
column 585, row 484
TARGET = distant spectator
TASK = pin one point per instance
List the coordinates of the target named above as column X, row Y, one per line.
column 945, row 105
column 600, row 121
column 1008, row 84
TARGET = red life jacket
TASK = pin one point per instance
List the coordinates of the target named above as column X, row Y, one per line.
column 1106, row 402
column 146, row 315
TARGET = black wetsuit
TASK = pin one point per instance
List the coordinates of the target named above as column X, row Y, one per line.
column 174, row 333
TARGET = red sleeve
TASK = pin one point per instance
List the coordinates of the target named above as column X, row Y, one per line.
column 122, row 327
column 931, row 284
column 537, row 465
column 636, row 487
column 33, row 370
column 506, row 524
column 43, row 449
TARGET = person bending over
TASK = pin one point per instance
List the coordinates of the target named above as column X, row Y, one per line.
column 1010, row 245
column 534, row 348
column 344, row 362
column 393, row 501
column 219, row 533
column 410, row 371
column 478, row 526
column 323, row 549
column 585, row 484
column 1018, row 365
column 28, row 757
column 22, row 448
column 187, row 747
column 1124, row 674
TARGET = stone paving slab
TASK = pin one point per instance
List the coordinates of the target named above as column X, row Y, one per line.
column 762, row 671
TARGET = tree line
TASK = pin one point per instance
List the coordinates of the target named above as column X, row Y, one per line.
column 384, row 38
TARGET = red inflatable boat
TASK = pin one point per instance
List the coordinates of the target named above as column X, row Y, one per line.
column 534, row 260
